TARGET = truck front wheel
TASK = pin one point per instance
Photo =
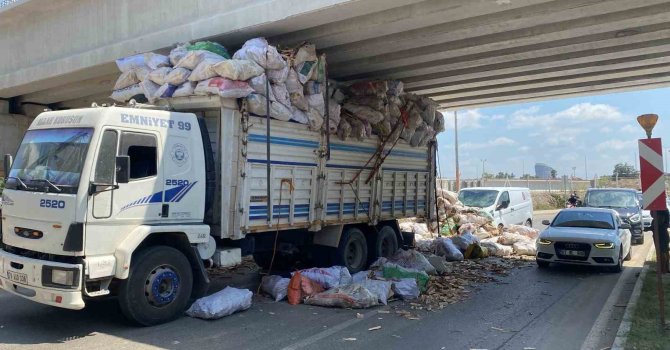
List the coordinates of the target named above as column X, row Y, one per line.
column 158, row 287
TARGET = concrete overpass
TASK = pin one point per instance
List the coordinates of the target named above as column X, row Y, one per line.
column 462, row 53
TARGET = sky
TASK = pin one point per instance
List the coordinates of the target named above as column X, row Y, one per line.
column 590, row 133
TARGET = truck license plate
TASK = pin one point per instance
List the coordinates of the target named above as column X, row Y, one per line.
column 574, row 253
column 17, row 277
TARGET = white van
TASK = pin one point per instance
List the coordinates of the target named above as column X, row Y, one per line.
column 507, row 205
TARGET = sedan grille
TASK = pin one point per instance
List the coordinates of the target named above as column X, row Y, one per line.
column 572, row 250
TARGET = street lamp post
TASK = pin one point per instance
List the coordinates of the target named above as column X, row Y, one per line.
column 483, row 167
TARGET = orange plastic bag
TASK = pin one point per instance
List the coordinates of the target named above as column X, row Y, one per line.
column 295, row 289
column 301, row 287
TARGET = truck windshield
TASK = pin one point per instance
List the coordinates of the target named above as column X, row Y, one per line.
column 50, row 160
column 611, row 199
column 478, row 198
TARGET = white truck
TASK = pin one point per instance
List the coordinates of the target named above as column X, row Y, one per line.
column 130, row 202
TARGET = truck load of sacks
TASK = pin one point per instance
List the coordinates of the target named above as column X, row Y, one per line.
column 294, row 80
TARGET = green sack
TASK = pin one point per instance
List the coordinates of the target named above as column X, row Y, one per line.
column 211, row 47
column 475, row 251
column 397, row 272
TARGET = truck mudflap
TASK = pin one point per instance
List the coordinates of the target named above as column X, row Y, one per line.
column 24, row 277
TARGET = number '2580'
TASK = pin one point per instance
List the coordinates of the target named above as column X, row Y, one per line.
column 52, row 203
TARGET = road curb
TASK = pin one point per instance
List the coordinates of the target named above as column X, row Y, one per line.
column 624, row 327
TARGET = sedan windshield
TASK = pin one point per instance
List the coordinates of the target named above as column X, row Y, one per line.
column 611, row 199
column 50, row 160
column 478, row 198
column 576, row 218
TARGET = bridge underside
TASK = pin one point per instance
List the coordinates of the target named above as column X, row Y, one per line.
column 462, row 53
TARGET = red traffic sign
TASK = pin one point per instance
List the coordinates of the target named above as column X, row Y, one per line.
column 652, row 177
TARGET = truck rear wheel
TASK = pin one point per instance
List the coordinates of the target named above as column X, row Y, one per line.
column 352, row 251
column 158, row 287
column 385, row 243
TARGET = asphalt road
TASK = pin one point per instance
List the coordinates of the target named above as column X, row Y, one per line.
column 554, row 308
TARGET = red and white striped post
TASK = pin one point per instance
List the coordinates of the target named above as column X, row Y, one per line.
column 652, row 181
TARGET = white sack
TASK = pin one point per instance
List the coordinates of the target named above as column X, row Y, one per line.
column 525, row 248
column 238, row 69
column 276, row 286
column 329, row 277
column 125, row 94
column 406, row 288
column 381, row 289
column 220, row 304
column 158, row 75
column 281, row 94
column 317, row 102
column 154, row 60
column 299, row 116
column 259, row 51
column 177, row 76
column 193, row 58
column 177, row 54
column 185, row 89
column 224, row 87
column 204, row 70
column 165, row 91
column 149, row 89
column 127, row 63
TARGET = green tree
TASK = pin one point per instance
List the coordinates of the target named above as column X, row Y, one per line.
column 624, row 170
column 487, row 176
column 527, row 177
column 553, row 173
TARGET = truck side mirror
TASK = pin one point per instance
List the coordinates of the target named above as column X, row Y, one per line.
column 122, row 169
column 7, row 163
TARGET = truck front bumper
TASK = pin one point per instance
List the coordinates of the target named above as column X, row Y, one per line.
column 23, row 277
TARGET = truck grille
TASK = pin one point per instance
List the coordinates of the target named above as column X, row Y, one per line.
column 563, row 250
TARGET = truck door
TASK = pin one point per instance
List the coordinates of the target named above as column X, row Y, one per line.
column 504, row 209
column 114, row 212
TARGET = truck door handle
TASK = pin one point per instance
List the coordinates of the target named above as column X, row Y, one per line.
column 511, row 209
column 165, row 210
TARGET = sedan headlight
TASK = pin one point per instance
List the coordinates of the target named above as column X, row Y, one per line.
column 635, row 218
column 544, row 241
column 608, row 245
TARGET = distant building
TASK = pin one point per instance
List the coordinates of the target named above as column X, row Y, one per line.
column 543, row 171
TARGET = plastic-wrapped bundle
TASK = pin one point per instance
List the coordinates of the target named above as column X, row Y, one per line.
column 158, row 75
column 259, row 51
column 125, row 94
column 204, row 70
column 364, row 113
column 428, row 135
column 343, row 129
column 357, row 128
column 429, row 109
column 259, row 85
column 177, row 76
column 382, row 128
column 280, row 94
column 299, row 100
column 185, row 89
column 413, row 121
column 177, row 54
column 305, row 62
column 315, row 119
column 126, row 79
column 149, row 89
column 316, row 102
column 209, row 46
column 238, row 69
column 193, row 58
column 165, row 91
column 376, row 88
column 257, row 105
column 299, row 116
column 334, row 110
column 438, row 126
column 225, row 88
column 127, row 63
column 395, row 88
column 374, row 102
column 279, row 75
column 154, row 60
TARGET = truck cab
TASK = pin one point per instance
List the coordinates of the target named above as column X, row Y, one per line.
column 87, row 188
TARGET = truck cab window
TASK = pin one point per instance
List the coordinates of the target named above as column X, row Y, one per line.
column 504, row 197
column 141, row 148
column 105, row 165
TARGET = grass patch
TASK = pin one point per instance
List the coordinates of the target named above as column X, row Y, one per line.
column 645, row 333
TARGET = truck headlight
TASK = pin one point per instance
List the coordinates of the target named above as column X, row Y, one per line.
column 58, row 277
column 608, row 245
column 635, row 218
column 544, row 241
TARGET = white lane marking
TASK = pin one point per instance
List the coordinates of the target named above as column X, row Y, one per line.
column 598, row 329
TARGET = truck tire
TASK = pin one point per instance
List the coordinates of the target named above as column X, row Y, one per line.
column 352, row 251
column 158, row 287
column 385, row 243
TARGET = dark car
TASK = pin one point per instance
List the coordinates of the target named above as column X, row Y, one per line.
column 624, row 201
